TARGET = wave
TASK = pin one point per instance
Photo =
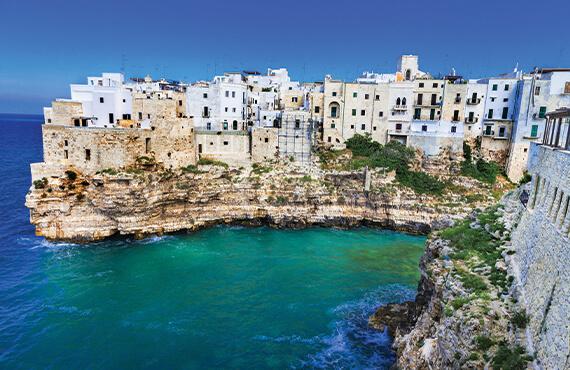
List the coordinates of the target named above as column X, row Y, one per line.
column 353, row 344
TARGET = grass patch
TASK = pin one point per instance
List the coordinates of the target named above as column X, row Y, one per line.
column 457, row 303
column 484, row 342
column 259, row 169
column 191, row 169
column 212, row 162
column 471, row 281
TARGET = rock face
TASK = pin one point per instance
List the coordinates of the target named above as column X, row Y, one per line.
column 160, row 201
column 462, row 316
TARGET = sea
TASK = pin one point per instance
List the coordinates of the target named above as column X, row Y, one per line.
column 220, row 298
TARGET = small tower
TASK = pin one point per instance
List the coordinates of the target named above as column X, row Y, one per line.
column 408, row 67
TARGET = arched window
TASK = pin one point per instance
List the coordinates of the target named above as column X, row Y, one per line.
column 403, row 101
column 398, row 101
column 235, row 125
column 334, row 110
column 408, row 74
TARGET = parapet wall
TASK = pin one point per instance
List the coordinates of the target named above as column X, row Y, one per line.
column 542, row 246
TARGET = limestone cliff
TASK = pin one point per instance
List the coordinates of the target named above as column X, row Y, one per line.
column 466, row 313
column 145, row 201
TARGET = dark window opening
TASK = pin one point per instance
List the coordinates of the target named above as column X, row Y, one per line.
column 87, row 154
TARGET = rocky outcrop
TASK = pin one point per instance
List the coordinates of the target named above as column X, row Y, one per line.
column 155, row 201
column 465, row 314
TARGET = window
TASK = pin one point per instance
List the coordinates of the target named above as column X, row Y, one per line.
column 226, row 109
column 421, row 84
column 294, row 99
column 362, row 112
column 87, row 154
column 266, row 140
column 226, row 143
column 542, row 112
column 366, row 96
column 433, row 99
column 235, row 125
column 354, row 95
column 432, row 114
column 148, row 116
column 381, row 114
column 179, row 103
column 329, row 139
column 488, row 130
column 352, row 126
column 505, row 114
column 398, row 126
column 434, row 84
column 490, row 114
column 225, row 125
column 233, row 110
column 417, row 113
column 140, row 115
column 147, row 145
column 334, row 93
column 209, row 126
column 420, row 99
column 227, row 94
column 537, row 90
column 567, row 88
column 205, row 96
column 101, row 100
column 404, row 102
column 424, row 128
column 363, row 127
column 502, row 131
column 76, row 122
column 124, row 101
column 507, row 87
column 534, row 131
column 374, row 128
column 297, row 123
column 495, row 87
column 233, row 94
column 377, row 97
column 455, row 115
column 65, row 142
column 333, row 125
column 65, row 154
column 453, row 129
column 333, row 111
column 354, row 112
column 317, row 109
column 505, row 100
column 493, row 99
column 111, row 118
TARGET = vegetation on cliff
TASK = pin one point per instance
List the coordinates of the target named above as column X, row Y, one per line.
column 480, row 169
column 393, row 156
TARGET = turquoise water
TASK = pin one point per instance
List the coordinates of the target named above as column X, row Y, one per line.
column 226, row 297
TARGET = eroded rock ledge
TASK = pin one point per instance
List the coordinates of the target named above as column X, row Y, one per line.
column 156, row 201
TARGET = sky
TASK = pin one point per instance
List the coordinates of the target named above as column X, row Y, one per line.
column 47, row 44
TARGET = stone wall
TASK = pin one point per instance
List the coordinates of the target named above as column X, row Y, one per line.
column 264, row 144
column 542, row 246
column 231, row 147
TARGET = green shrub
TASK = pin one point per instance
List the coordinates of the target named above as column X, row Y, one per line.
column 525, row 179
column 40, row 184
column 484, row 342
column 510, row 358
column 109, row 171
column 471, row 281
column 71, row 175
column 457, row 303
column 259, row 169
column 481, row 170
column 281, row 199
column 420, row 182
column 520, row 319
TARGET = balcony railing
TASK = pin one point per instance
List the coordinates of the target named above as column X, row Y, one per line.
column 428, row 104
column 400, row 107
column 473, row 101
column 471, row 119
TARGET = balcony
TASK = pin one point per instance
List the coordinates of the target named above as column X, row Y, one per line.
column 400, row 107
column 428, row 104
column 471, row 120
column 400, row 132
column 473, row 101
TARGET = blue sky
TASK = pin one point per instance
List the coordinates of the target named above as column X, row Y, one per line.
column 46, row 45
